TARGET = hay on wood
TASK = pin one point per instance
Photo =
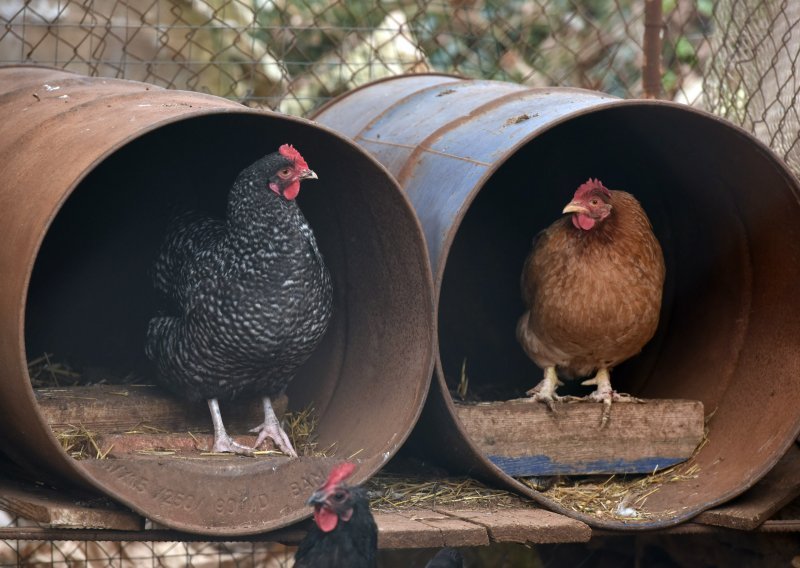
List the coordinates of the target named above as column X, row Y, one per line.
column 389, row 491
column 80, row 443
column 618, row 496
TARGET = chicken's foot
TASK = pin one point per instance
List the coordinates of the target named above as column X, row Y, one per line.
column 545, row 391
column 271, row 428
column 222, row 441
column 605, row 394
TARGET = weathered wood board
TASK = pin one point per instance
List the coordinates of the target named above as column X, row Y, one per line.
column 525, row 438
column 59, row 510
column 527, row 525
column 183, row 444
column 425, row 529
column 119, row 408
column 748, row 511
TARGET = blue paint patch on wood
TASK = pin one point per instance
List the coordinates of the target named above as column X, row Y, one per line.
column 528, row 466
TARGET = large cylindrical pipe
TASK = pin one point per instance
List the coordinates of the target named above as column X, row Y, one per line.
column 488, row 164
column 89, row 168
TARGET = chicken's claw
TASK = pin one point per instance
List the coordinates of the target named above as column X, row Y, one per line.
column 226, row 444
column 278, row 436
column 605, row 394
column 271, row 428
column 223, row 443
column 545, row 391
column 550, row 401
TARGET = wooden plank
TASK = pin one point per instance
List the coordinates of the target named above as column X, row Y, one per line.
column 399, row 531
column 120, row 446
column 452, row 531
column 120, row 408
column 525, row 438
column 526, row 525
column 58, row 510
column 294, row 535
column 125, row 445
column 748, row 511
column 285, row 536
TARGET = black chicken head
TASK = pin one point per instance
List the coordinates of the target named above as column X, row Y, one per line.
column 289, row 170
column 334, row 501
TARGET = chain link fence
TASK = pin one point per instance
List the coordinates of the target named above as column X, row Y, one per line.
column 292, row 55
column 737, row 58
column 734, row 57
column 752, row 78
column 112, row 554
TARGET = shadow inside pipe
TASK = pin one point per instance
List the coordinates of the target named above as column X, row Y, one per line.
column 90, row 296
column 695, row 215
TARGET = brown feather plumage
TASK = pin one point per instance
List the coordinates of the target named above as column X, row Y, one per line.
column 593, row 297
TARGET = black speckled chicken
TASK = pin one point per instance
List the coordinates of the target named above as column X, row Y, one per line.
column 253, row 297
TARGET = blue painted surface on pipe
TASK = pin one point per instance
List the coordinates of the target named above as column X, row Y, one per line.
column 530, row 466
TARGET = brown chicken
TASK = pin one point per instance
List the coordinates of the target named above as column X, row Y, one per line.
column 592, row 286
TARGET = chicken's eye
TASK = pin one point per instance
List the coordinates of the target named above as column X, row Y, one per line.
column 595, row 202
column 285, row 173
column 339, row 495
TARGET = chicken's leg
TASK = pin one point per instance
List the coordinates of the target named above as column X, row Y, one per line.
column 222, row 441
column 605, row 394
column 545, row 391
column 271, row 428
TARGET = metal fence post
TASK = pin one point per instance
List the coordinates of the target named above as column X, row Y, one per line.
column 653, row 38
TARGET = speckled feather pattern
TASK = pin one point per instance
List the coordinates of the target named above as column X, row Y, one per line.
column 253, row 293
column 593, row 297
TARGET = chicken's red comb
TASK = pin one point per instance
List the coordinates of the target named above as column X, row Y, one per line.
column 592, row 185
column 288, row 151
column 338, row 474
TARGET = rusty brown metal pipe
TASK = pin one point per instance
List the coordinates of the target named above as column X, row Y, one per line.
column 88, row 169
column 488, row 164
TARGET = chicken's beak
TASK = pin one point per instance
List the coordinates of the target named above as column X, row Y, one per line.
column 318, row 498
column 575, row 207
column 308, row 174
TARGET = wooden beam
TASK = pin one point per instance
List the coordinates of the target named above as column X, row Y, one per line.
column 424, row 528
column 525, row 438
column 748, row 511
column 398, row 531
column 60, row 510
column 120, row 408
column 284, row 536
column 526, row 525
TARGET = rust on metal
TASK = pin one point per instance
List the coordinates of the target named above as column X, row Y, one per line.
column 92, row 171
column 723, row 206
column 652, row 43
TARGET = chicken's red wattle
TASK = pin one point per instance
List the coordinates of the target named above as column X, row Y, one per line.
column 326, row 520
column 582, row 221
